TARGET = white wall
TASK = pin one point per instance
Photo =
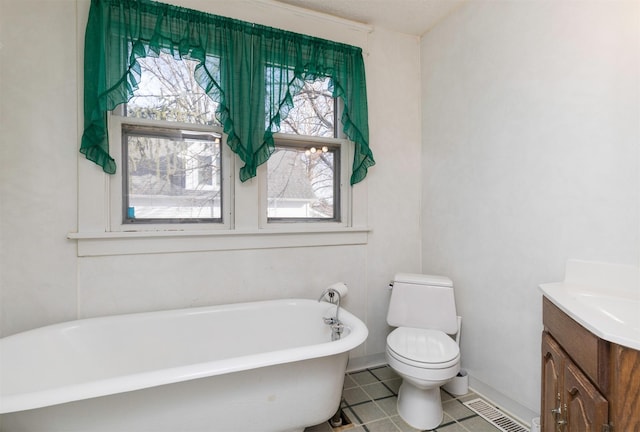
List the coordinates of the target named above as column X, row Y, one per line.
column 393, row 68
column 42, row 280
column 530, row 156
column 38, row 142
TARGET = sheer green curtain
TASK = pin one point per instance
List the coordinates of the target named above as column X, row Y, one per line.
column 252, row 71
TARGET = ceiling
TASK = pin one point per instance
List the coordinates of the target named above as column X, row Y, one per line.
column 414, row 17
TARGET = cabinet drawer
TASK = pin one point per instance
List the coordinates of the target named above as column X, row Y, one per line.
column 588, row 351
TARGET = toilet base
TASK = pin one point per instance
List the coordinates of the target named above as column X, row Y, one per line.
column 420, row 408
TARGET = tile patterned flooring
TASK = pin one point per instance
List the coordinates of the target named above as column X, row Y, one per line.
column 369, row 400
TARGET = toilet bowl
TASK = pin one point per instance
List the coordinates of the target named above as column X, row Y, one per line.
column 421, row 349
column 423, row 373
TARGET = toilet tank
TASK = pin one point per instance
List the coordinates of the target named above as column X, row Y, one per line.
column 423, row 301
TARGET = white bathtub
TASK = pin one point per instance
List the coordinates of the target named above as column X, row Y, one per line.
column 262, row 366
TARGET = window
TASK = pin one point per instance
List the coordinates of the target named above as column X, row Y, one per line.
column 304, row 172
column 168, row 91
column 171, row 176
column 185, row 124
column 304, row 184
column 171, row 171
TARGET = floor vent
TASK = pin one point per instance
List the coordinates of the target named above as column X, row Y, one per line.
column 495, row 416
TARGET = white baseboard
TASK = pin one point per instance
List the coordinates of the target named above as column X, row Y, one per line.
column 519, row 412
column 365, row 362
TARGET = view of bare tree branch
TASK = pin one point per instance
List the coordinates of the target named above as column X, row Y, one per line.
column 162, row 165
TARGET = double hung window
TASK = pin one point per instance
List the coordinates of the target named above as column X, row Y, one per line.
column 171, row 143
column 303, row 175
column 196, row 100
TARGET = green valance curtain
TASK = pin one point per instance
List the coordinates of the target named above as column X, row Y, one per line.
column 252, row 71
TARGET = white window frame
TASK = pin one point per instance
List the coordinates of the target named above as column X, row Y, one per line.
column 116, row 122
column 95, row 237
column 346, row 155
column 102, row 233
column 100, row 230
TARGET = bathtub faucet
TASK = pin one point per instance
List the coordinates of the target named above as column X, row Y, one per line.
column 336, row 325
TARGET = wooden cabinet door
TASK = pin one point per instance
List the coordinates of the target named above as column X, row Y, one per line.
column 586, row 409
column 552, row 369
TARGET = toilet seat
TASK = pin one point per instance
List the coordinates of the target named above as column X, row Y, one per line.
column 423, row 348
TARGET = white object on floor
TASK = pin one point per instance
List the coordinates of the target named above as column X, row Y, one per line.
column 420, row 350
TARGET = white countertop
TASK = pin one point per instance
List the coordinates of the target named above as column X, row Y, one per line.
column 603, row 297
column 613, row 316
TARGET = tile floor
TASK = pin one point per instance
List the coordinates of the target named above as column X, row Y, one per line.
column 369, row 400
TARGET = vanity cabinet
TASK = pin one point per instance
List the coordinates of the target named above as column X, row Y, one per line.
column 588, row 384
column 571, row 402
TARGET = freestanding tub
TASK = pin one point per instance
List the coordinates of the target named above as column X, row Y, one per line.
column 262, row 366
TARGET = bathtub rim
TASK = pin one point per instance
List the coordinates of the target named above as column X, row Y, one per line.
column 357, row 334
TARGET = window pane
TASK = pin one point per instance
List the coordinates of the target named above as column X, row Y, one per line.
column 313, row 113
column 168, row 91
column 302, row 183
column 172, row 176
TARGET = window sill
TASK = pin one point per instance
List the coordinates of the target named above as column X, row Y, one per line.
column 132, row 243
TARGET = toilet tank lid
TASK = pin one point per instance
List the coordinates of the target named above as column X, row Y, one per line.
column 423, row 279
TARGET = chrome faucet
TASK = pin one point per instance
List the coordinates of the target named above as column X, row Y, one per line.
column 336, row 326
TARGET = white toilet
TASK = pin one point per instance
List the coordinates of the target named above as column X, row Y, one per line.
column 421, row 350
